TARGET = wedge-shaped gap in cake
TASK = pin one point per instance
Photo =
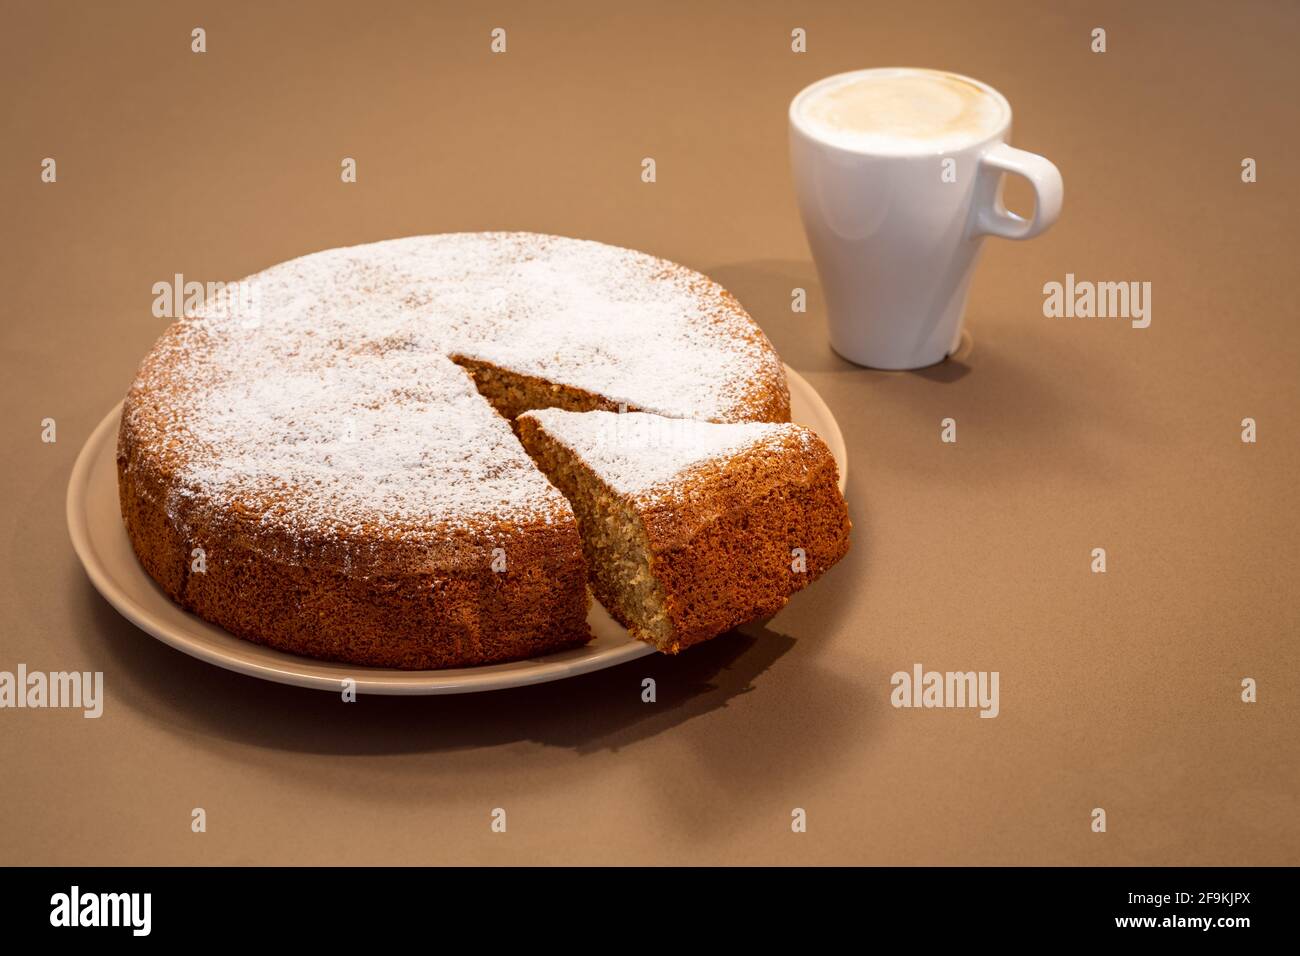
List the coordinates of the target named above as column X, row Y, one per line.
column 512, row 392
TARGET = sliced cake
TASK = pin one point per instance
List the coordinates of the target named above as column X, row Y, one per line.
column 691, row 528
column 318, row 439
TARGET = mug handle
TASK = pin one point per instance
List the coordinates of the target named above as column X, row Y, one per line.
column 993, row 218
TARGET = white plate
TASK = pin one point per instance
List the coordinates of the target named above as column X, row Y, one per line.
column 99, row 538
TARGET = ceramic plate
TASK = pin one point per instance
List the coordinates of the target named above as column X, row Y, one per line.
column 99, row 537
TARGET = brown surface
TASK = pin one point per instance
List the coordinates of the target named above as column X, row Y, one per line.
column 1118, row 690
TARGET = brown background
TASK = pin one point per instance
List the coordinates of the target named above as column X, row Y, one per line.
column 1118, row 690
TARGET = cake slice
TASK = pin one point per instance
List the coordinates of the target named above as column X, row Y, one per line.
column 691, row 528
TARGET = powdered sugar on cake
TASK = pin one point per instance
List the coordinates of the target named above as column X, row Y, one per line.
column 333, row 406
column 639, row 454
column 368, row 439
column 611, row 321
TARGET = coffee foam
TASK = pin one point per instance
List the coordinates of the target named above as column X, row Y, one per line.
column 901, row 110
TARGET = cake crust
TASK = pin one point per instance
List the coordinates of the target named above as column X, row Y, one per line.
column 745, row 535
column 487, row 594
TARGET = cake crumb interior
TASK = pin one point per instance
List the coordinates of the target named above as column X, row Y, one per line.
column 614, row 542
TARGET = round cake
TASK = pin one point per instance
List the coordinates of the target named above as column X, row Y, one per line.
column 325, row 461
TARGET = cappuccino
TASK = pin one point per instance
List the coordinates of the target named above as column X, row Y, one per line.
column 898, row 173
column 904, row 110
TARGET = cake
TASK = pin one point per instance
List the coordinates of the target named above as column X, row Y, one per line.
column 325, row 464
column 691, row 528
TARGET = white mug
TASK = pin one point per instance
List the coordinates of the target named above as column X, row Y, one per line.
column 895, row 232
